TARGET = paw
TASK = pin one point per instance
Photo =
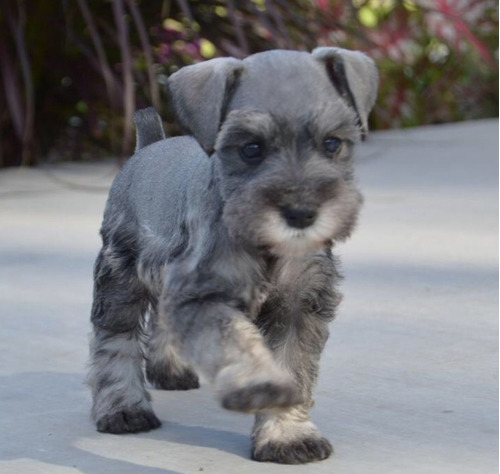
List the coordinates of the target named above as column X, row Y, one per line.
column 261, row 396
column 128, row 421
column 300, row 451
column 161, row 380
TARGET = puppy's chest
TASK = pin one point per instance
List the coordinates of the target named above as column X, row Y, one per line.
column 278, row 280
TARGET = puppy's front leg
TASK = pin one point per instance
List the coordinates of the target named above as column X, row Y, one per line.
column 210, row 330
column 294, row 321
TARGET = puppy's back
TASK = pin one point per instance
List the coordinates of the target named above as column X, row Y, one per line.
column 152, row 188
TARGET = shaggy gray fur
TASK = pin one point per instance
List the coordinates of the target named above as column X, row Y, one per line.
column 225, row 238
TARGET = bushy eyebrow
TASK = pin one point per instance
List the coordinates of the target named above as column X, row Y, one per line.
column 244, row 124
column 333, row 121
column 248, row 124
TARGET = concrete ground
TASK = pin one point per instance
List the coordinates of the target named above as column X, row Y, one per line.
column 408, row 381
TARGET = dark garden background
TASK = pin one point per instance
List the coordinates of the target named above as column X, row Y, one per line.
column 72, row 72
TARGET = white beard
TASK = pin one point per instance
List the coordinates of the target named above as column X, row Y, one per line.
column 287, row 241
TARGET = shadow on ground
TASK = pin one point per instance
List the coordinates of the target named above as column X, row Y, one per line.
column 53, row 427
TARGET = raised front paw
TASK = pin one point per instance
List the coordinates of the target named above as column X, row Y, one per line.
column 251, row 389
column 298, row 451
column 128, row 421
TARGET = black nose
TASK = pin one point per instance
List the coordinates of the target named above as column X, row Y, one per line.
column 299, row 218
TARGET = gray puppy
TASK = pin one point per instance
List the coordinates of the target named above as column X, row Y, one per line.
column 224, row 238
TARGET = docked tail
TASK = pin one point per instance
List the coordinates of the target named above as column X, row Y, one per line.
column 149, row 128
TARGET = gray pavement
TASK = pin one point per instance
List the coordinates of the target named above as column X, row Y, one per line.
column 409, row 378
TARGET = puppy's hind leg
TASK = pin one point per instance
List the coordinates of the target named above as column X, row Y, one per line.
column 164, row 368
column 121, row 403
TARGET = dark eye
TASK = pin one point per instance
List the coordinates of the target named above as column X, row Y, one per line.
column 332, row 145
column 252, row 153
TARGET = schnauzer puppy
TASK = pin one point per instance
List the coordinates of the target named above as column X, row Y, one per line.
column 223, row 238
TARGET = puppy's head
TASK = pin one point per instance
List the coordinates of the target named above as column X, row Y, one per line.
column 282, row 125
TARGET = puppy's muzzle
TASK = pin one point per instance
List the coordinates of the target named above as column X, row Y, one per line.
column 299, row 218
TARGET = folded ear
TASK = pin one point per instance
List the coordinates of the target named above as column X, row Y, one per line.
column 200, row 94
column 355, row 78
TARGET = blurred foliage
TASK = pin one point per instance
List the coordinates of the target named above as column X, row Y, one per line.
column 73, row 71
